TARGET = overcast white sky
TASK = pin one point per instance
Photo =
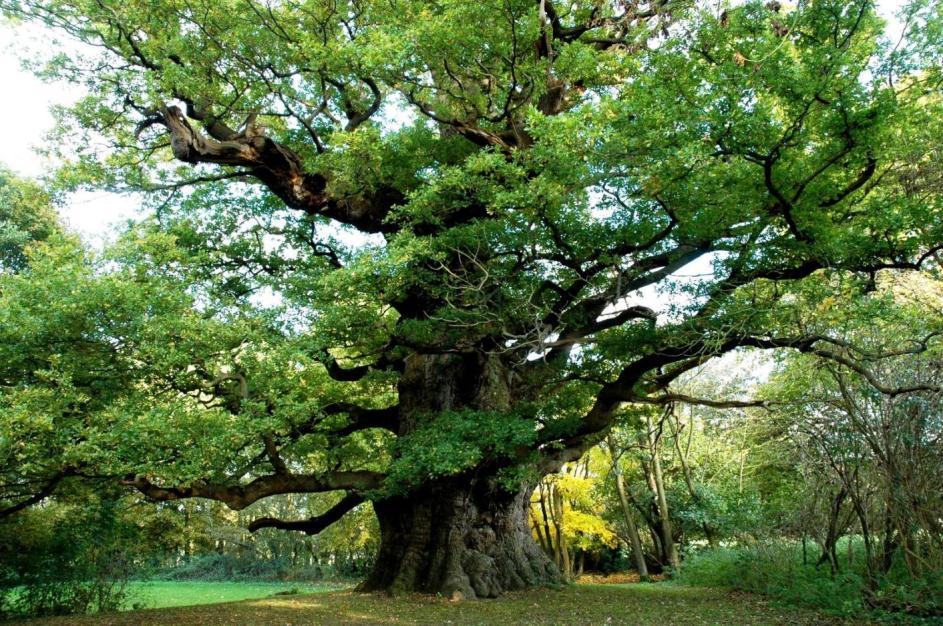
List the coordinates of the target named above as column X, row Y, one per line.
column 25, row 118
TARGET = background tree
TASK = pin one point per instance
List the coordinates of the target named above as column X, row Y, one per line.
column 566, row 516
column 398, row 249
column 26, row 216
column 869, row 430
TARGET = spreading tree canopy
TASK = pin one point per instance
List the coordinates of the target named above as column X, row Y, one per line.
column 420, row 253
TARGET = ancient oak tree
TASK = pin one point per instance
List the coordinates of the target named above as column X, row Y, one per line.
column 419, row 253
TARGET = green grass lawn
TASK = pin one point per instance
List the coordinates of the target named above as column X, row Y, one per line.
column 164, row 594
column 661, row 604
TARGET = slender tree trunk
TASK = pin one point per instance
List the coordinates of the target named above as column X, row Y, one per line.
column 188, row 542
column 551, row 549
column 637, row 553
column 833, row 533
column 556, row 508
column 671, row 551
column 889, row 545
column 743, row 462
column 689, row 482
column 868, row 549
column 650, row 517
column 540, row 535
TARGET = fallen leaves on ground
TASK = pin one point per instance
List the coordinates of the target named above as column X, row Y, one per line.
column 616, row 578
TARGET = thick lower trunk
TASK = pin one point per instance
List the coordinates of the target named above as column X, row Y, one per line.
column 468, row 541
column 464, row 535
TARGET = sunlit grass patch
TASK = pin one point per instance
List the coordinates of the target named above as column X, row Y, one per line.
column 165, row 594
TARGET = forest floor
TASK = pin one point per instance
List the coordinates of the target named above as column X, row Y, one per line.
column 660, row 604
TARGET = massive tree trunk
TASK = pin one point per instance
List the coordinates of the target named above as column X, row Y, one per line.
column 472, row 538
column 466, row 534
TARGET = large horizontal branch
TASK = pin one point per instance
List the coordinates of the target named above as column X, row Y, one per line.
column 361, row 418
column 581, row 318
column 869, row 376
column 623, row 389
column 917, row 346
column 279, row 168
column 350, row 374
column 312, row 525
column 670, row 398
column 41, row 494
column 740, row 277
column 342, row 374
column 239, row 497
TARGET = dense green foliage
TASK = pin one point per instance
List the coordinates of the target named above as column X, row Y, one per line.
column 26, row 215
column 74, row 556
column 432, row 253
column 778, row 570
column 519, row 195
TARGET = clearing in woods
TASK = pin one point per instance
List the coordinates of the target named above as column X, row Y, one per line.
column 657, row 604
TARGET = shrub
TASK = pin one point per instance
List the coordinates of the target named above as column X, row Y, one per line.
column 64, row 558
column 249, row 567
column 776, row 569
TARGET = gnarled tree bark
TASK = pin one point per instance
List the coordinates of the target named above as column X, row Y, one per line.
column 466, row 535
column 460, row 537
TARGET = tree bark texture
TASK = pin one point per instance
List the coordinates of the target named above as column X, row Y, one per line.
column 464, row 535
column 469, row 539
